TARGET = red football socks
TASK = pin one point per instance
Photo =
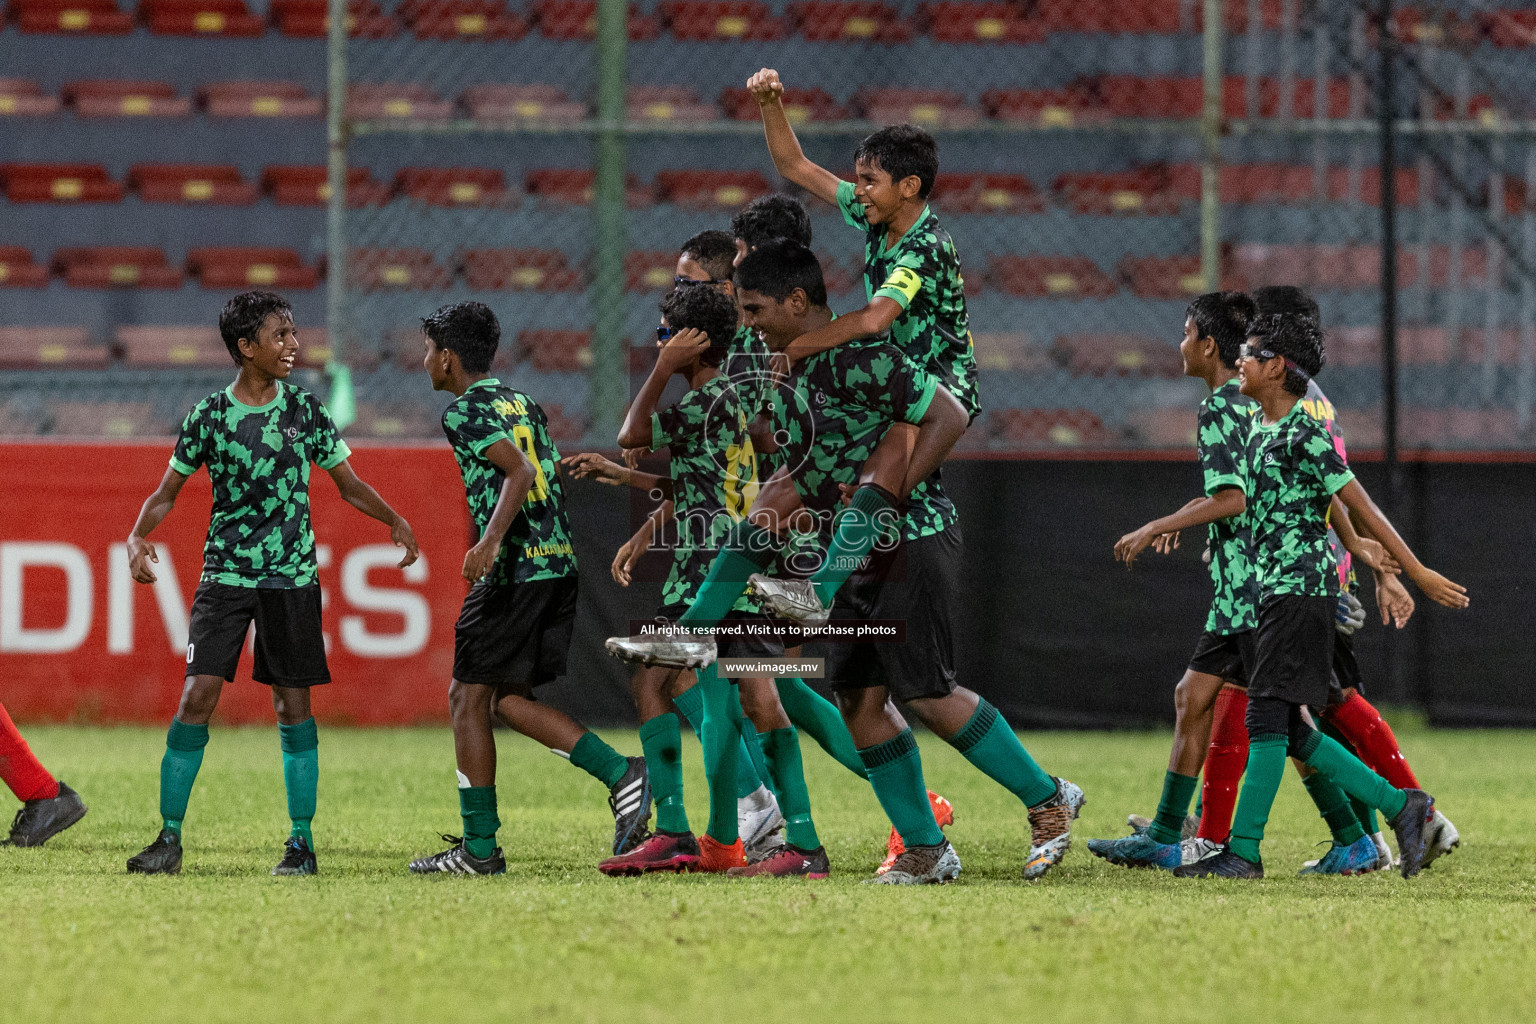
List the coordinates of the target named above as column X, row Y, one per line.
column 26, row 776
column 1370, row 735
column 1225, row 760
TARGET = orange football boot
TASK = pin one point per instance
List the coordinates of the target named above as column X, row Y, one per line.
column 717, row 857
column 943, row 813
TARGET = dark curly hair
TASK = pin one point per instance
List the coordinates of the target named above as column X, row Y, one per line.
column 1298, row 340
column 1287, row 298
column 706, row 309
column 1224, row 317
column 243, row 316
column 468, row 328
column 777, row 268
column 768, row 217
column 903, row 151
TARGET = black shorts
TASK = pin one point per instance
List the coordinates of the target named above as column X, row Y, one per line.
column 1293, row 650
column 290, row 647
column 1225, row 655
column 514, row 634
column 1346, row 670
column 918, row 585
column 744, row 646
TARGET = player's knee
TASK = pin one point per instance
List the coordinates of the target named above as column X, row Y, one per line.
column 465, row 699
column 291, row 704
column 199, row 697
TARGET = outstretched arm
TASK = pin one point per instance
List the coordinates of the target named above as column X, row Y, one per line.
column 679, row 349
column 788, row 158
column 591, row 466
column 1224, row 504
column 156, row 507
column 1435, row 586
column 875, row 318
column 1367, row 549
column 367, row 501
column 518, row 475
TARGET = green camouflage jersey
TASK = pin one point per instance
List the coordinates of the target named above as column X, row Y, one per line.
column 258, row 462
column 834, row 410
column 714, row 479
column 538, row 543
column 746, row 366
column 1293, row 471
column 1226, row 419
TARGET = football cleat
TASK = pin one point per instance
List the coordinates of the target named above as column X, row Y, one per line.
column 1443, row 837
column 161, row 857
column 679, row 650
column 795, row 600
column 765, row 849
column 1189, row 830
column 922, row 865
column 1411, row 826
column 457, row 860
column 1384, row 859
column 716, row 857
column 40, row 820
column 1050, row 828
column 1137, row 850
column 660, row 852
column 1358, row 858
column 788, row 862
column 1191, row 850
column 630, row 802
column 1223, row 864
column 943, row 816
column 298, row 858
column 757, row 817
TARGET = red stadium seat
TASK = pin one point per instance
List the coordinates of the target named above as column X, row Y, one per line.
column 121, row 98
column 848, row 21
column 1144, row 17
column 59, row 183
column 21, row 97
column 220, row 185
column 1014, row 350
column 649, row 271
column 168, row 346
column 17, row 269
column 395, row 420
column 308, row 19
column 1049, row 428
column 1051, row 277
column 1370, row 185
column 930, row 107
column 573, row 186
column 956, row 192
column 1303, row 97
column 115, row 266
column 969, row 21
column 518, row 270
column 462, row 19
column 1516, row 194
column 556, row 351
column 378, row 269
column 51, row 348
column 1150, row 190
column 1267, row 183
column 1510, row 29
column 562, row 426
column 405, row 101
column 200, row 18
column 1116, row 355
column 1063, row 107
column 71, row 17
column 241, row 267
column 667, row 103
column 108, row 419
column 454, row 186
column 838, row 277
column 504, row 104
column 307, row 186
column 577, row 20
column 800, row 105
column 259, row 99
column 1180, row 96
column 1172, row 277
column 711, row 189
column 704, row 20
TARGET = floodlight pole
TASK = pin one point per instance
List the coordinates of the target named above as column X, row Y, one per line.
column 1210, row 162
column 607, row 374
column 336, row 179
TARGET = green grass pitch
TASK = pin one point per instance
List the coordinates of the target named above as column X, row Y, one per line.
column 554, row 940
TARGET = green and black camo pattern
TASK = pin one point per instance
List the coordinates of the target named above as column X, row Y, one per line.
column 258, row 460
column 1225, row 421
column 538, row 543
column 1319, row 408
column 747, row 367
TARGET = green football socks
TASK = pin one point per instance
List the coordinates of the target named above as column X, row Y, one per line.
column 748, row 549
column 690, row 704
column 1168, row 826
column 477, row 805
column 301, row 774
column 1352, row 776
column 661, row 739
column 896, row 772
column 599, row 760
column 781, row 748
column 1333, row 804
column 818, row 718
column 1366, row 815
column 178, row 770
column 868, row 515
column 1266, row 767
column 721, row 736
column 988, row 743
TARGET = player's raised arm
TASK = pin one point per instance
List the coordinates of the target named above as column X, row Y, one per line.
column 518, row 475
column 1434, row 585
column 156, row 507
column 679, row 349
column 788, row 158
column 1224, row 504
column 366, row 500
column 592, row 466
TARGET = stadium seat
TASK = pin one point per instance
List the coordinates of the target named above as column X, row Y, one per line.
column 123, row 98
column 838, row 277
column 307, row 19
column 649, row 271
column 1151, row 190
column 1049, row 428
column 574, row 186
column 462, row 19
column 228, row 18
column 556, row 351
column 20, row 97
column 1163, row 427
column 1172, row 277
column 1050, row 277
column 1515, row 195
column 503, row 104
column 18, row 271
column 533, row 270
column 667, row 103
column 704, row 20
column 1060, row 107
column 800, row 105
column 408, row 101
column 241, row 267
column 315, row 350
column 1303, row 97
column 107, row 419
column 1144, row 17
column 307, row 186
column 1011, row 350
column 171, row 346
column 70, row 17
column 220, row 185
column 1411, row 269
column 259, row 99
column 378, row 269
column 454, row 186
column 969, row 21
column 1510, row 29
column 706, row 190
column 1266, row 183
column 1172, row 96
column 1354, row 346
column 849, row 21
column 576, row 20
column 1362, row 427
column 563, row 426
column 957, row 192
column 1323, row 267
column 115, row 266
column 1116, row 355
column 927, row 107
column 1506, row 342
column 395, row 420
column 1338, row 180
column 1437, row 28
column 59, row 183
column 51, row 348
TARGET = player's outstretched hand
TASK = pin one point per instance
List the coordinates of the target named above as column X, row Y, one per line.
column 1166, row 543
column 479, row 559
column 140, row 553
column 1394, row 601
column 632, row 456
column 1441, row 590
column 403, row 536
column 591, row 466
column 1131, row 545
column 624, row 562
column 765, row 86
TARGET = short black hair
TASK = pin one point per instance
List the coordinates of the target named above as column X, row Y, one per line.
column 715, row 251
column 1287, row 298
column 774, row 216
column 778, row 268
column 243, row 316
column 468, row 328
column 705, row 309
column 1223, row 316
column 902, row 151
column 1298, row 339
